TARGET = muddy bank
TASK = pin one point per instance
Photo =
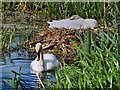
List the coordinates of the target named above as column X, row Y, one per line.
column 23, row 19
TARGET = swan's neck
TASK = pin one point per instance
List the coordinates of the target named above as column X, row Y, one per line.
column 42, row 58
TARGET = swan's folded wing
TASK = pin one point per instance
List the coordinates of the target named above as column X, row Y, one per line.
column 50, row 62
column 31, row 67
column 56, row 64
column 91, row 22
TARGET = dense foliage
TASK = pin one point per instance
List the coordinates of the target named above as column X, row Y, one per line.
column 60, row 10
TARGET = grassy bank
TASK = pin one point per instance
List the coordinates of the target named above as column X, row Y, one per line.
column 60, row 10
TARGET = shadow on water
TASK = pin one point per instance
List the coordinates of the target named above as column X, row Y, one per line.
column 20, row 57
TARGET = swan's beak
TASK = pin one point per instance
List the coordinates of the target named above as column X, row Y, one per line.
column 38, row 56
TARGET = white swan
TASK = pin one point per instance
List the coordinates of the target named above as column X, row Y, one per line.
column 75, row 17
column 74, row 22
column 90, row 22
column 43, row 62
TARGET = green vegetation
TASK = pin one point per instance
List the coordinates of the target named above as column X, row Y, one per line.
column 60, row 10
column 3, row 37
column 16, row 81
column 97, row 68
column 97, row 63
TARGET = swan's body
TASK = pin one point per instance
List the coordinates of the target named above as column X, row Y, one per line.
column 74, row 22
column 50, row 63
column 69, row 24
column 43, row 62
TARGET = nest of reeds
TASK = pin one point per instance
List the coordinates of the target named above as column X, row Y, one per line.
column 57, row 41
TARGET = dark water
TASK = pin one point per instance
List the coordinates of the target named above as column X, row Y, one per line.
column 13, row 59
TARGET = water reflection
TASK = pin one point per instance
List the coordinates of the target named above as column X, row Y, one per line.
column 20, row 57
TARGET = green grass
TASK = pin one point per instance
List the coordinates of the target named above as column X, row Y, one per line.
column 60, row 10
column 98, row 69
column 4, row 38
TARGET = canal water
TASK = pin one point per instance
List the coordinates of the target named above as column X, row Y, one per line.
column 24, row 22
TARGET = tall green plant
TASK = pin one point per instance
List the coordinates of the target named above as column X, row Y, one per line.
column 16, row 81
column 101, row 70
column 3, row 37
column 86, row 45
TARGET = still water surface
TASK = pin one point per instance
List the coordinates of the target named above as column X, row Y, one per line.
column 10, row 61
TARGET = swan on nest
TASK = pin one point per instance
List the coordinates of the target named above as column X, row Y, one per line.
column 74, row 22
column 75, row 17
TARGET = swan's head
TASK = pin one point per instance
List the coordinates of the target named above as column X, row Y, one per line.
column 38, row 48
column 75, row 17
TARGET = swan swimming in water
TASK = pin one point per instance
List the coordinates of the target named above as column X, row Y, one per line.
column 43, row 62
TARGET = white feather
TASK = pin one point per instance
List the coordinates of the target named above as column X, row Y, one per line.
column 49, row 62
